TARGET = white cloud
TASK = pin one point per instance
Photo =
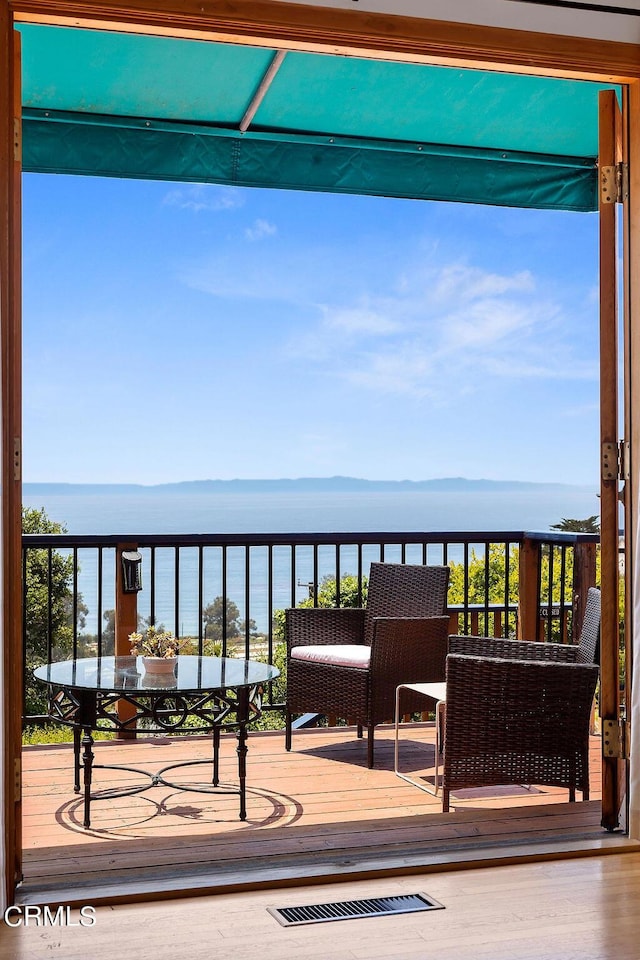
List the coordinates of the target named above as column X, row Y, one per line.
column 358, row 321
column 402, row 371
column 489, row 321
column 260, row 229
column 418, row 327
column 465, row 283
column 438, row 346
column 205, row 196
column 230, row 276
column 553, row 366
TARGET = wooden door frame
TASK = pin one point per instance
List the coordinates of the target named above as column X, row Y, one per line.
column 610, row 153
column 288, row 26
column 11, row 402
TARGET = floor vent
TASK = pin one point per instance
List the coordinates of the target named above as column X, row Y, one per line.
column 351, row 909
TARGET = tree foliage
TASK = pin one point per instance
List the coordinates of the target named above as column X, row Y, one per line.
column 350, row 593
column 48, row 612
column 350, row 596
column 217, row 615
column 588, row 525
column 486, row 582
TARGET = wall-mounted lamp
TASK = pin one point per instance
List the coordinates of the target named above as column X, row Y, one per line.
column 131, row 571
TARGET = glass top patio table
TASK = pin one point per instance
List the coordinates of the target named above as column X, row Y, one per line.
column 203, row 694
column 193, row 674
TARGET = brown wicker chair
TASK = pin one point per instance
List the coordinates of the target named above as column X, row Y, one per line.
column 517, row 721
column 348, row 662
column 509, row 720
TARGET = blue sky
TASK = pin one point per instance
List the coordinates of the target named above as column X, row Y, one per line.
column 176, row 332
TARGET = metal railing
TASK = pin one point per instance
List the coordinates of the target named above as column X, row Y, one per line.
column 225, row 591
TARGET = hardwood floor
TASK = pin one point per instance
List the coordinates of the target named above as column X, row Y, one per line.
column 552, row 910
column 316, row 812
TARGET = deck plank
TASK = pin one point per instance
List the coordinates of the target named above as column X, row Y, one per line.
column 319, row 801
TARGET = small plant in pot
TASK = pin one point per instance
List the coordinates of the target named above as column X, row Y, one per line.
column 159, row 649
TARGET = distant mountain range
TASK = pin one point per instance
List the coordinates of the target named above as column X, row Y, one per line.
column 302, row 485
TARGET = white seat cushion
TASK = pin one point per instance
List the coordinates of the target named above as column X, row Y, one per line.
column 339, row 654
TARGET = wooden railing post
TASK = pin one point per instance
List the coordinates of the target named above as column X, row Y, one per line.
column 126, row 622
column 528, row 599
column 584, row 576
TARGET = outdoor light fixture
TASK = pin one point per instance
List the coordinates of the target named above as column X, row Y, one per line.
column 131, row 571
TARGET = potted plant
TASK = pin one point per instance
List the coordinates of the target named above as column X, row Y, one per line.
column 159, row 649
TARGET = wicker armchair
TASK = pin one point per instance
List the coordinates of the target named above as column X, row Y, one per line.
column 519, row 712
column 348, row 662
column 517, row 721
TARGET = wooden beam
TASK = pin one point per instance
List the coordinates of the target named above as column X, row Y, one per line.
column 126, row 618
column 528, row 596
column 584, row 576
column 126, row 622
column 295, row 26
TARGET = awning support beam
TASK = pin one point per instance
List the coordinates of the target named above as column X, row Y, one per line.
column 263, row 87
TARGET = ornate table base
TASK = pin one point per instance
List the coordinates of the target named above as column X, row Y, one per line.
column 88, row 711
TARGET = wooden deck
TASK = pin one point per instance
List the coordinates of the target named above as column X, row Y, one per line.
column 315, row 812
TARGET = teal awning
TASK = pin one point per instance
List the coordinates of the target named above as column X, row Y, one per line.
column 110, row 104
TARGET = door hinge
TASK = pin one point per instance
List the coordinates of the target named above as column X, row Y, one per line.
column 615, row 739
column 17, row 458
column 615, row 464
column 17, row 780
column 614, row 183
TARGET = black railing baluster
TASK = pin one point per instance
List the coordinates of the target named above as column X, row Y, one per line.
column 99, row 599
column 247, row 602
column 270, row 607
column 539, row 590
column 507, row 589
column 293, row 575
column 315, row 574
column 152, row 586
column 349, row 549
column 74, row 604
column 563, row 571
column 550, row 593
column 466, row 588
column 200, row 599
column 176, row 599
column 487, row 584
column 49, row 603
column 224, row 601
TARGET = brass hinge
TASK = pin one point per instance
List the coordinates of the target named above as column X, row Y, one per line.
column 615, row 463
column 17, row 458
column 17, row 780
column 615, row 739
column 614, row 183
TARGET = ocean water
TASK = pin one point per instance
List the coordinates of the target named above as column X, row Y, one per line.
column 128, row 514
column 416, row 511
